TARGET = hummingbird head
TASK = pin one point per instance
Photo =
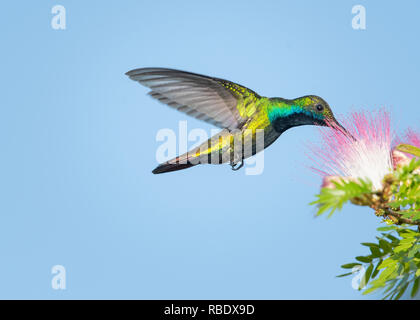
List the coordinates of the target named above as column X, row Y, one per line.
column 307, row 110
column 319, row 111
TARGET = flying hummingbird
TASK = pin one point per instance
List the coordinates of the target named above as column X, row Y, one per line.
column 239, row 111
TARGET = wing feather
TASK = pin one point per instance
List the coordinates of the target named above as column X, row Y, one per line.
column 213, row 100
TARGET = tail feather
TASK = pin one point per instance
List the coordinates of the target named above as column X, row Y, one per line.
column 168, row 167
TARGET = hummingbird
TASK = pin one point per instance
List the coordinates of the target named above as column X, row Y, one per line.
column 240, row 112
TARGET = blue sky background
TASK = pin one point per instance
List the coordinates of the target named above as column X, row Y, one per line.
column 78, row 146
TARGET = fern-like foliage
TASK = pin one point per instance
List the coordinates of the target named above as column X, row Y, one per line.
column 393, row 262
column 344, row 191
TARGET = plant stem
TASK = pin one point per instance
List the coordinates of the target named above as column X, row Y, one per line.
column 401, row 219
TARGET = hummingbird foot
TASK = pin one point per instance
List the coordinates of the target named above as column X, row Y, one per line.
column 235, row 167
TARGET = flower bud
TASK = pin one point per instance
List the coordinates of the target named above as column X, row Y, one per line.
column 328, row 182
column 399, row 159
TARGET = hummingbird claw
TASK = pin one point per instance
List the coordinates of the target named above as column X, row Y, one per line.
column 236, row 168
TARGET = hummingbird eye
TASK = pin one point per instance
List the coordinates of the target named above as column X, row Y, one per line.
column 319, row 107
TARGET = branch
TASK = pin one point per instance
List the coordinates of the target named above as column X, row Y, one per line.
column 400, row 218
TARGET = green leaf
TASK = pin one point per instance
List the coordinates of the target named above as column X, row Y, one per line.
column 350, row 265
column 387, row 228
column 402, row 290
column 409, row 149
column 376, row 253
column 376, row 271
column 370, row 244
column 415, row 288
column 387, row 263
column 366, row 277
column 365, row 259
column 393, row 239
column 385, row 246
column 370, row 290
column 344, row 275
column 389, row 273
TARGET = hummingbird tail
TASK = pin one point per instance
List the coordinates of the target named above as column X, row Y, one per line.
column 168, row 167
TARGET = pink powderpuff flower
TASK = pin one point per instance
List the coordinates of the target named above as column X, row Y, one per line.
column 364, row 151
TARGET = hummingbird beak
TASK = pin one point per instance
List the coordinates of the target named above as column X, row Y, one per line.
column 338, row 126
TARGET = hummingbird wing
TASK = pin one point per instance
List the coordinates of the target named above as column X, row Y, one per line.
column 217, row 101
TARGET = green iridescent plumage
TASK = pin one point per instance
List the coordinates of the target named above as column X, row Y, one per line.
column 238, row 110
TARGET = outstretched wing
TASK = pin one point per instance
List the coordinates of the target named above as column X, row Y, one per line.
column 220, row 102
